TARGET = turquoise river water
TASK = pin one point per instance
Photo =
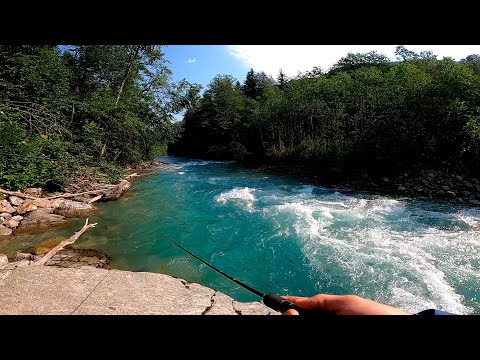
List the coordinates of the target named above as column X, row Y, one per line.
column 282, row 234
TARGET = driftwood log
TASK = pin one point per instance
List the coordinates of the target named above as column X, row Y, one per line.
column 64, row 243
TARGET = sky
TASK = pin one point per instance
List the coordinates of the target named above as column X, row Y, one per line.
column 200, row 63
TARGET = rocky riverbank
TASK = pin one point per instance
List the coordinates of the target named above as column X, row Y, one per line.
column 35, row 209
column 417, row 183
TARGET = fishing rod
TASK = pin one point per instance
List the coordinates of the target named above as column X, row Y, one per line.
column 271, row 300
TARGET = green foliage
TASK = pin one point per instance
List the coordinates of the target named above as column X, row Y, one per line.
column 367, row 113
column 87, row 109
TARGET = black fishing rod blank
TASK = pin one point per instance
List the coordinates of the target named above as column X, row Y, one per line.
column 271, row 300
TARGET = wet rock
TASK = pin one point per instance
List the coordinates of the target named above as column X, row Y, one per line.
column 6, row 207
column 446, row 188
column 37, row 192
column 116, row 192
column 15, row 200
column 465, row 193
column 474, row 202
column 401, row 188
column 386, row 180
column 5, row 231
column 39, row 219
column 458, row 178
column 70, row 208
column 3, row 260
column 450, row 194
column 468, row 185
column 74, row 258
column 439, row 193
column 26, row 207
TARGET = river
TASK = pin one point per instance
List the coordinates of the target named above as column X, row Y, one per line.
column 285, row 235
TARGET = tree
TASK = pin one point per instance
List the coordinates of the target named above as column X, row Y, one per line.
column 250, row 85
column 403, row 54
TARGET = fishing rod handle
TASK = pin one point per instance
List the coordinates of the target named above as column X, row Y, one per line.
column 277, row 303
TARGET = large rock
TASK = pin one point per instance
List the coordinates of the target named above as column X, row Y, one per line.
column 4, row 231
column 26, row 207
column 15, row 200
column 116, row 192
column 6, row 207
column 70, row 208
column 40, row 219
column 474, row 202
column 450, row 194
column 42, row 203
column 74, row 258
column 3, row 260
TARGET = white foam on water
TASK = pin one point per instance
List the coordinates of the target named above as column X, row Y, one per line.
column 470, row 217
column 181, row 172
column 240, row 195
column 205, row 162
column 415, row 250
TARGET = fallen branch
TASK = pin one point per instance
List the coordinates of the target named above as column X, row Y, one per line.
column 92, row 200
column 64, row 243
column 18, row 194
column 68, row 195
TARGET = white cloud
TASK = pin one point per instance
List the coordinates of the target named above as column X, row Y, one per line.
column 294, row 58
column 191, row 60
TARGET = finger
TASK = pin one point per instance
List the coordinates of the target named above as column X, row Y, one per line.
column 291, row 312
column 321, row 302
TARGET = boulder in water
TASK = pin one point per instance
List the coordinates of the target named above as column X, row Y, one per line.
column 70, row 208
column 116, row 192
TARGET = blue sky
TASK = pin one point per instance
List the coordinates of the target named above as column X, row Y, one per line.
column 200, row 63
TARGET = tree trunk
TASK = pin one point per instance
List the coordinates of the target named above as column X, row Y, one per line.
column 131, row 61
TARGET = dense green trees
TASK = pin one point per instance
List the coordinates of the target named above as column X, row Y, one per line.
column 366, row 113
column 87, row 108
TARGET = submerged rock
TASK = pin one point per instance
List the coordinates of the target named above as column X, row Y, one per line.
column 40, row 219
column 74, row 258
column 45, row 246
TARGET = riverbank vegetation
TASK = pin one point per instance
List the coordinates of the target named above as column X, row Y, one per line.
column 367, row 114
column 86, row 110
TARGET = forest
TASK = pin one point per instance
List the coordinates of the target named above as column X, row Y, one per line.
column 86, row 110
column 366, row 113
column 92, row 110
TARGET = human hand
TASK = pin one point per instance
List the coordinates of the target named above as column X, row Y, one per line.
column 342, row 305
